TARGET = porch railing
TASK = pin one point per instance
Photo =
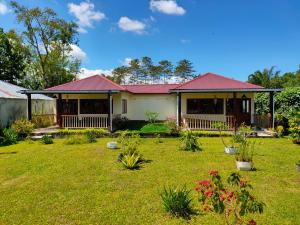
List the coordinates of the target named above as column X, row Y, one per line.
column 264, row 121
column 206, row 122
column 90, row 121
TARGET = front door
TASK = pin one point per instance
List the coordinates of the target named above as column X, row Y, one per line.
column 243, row 110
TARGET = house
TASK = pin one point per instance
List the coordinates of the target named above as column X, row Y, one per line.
column 13, row 105
column 196, row 104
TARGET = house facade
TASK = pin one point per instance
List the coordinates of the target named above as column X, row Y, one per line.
column 95, row 101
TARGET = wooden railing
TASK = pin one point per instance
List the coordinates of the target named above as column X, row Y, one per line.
column 264, row 121
column 90, row 121
column 206, row 122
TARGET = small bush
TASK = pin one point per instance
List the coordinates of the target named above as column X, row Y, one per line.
column 152, row 116
column 279, row 131
column 99, row 132
column 295, row 128
column 23, row 127
column 131, row 161
column 9, row 137
column 41, row 121
column 47, row 140
column 158, row 140
column 206, row 133
column 172, row 125
column 91, row 137
column 75, row 140
column 177, row 202
column 189, row 142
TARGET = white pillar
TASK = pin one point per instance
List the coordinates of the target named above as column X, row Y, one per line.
column 110, row 111
column 177, row 109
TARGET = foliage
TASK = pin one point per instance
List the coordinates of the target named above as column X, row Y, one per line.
column 75, row 139
column 295, row 128
column 91, row 136
column 131, row 161
column 207, row 133
column 245, row 147
column 189, row 142
column 177, row 201
column 279, row 131
column 233, row 201
column 158, row 139
column 99, row 132
column 172, row 125
column 41, row 121
column 119, row 122
column 14, row 57
column 23, row 127
column 9, row 137
column 154, row 128
column 184, row 70
column 151, row 116
column 47, row 140
column 50, row 40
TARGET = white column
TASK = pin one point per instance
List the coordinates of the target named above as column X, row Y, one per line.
column 110, row 111
column 177, row 109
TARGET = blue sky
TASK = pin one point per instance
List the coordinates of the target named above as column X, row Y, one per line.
column 233, row 38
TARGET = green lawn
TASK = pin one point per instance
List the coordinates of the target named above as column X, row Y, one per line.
column 84, row 184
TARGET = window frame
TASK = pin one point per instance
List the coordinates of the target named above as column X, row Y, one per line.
column 124, row 106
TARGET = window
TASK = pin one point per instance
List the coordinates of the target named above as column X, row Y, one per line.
column 205, row 106
column 94, row 106
column 69, row 107
column 124, row 106
column 243, row 106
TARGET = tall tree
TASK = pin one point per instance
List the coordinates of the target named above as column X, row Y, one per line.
column 50, row 39
column 135, row 71
column 166, row 69
column 268, row 78
column 13, row 57
column 120, row 75
column 184, row 70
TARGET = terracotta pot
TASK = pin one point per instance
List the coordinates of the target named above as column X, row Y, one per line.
column 112, row 145
column 230, row 150
column 298, row 167
column 244, row 166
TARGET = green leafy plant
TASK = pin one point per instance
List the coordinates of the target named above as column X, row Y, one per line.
column 99, row 132
column 151, row 116
column 129, row 141
column 131, row 161
column 9, row 137
column 158, row 140
column 279, row 131
column 177, row 201
column 91, row 137
column 75, row 139
column 47, row 140
column 23, row 127
column 172, row 125
column 234, row 200
column 295, row 128
column 189, row 142
column 40, row 121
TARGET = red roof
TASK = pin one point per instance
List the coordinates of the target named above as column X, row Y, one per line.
column 150, row 88
column 210, row 81
column 93, row 83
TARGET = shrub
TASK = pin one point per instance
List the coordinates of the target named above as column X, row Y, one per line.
column 40, row 121
column 295, row 128
column 23, row 127
column 279, row 131
column 91, row 137
column 99, row 132
column 177, row 201
column 207, row 133
column 131, row 161
column 75, row 140
column 158, row 140
column 245, row 147
column 189, row 142
column 152, row 116
column 9, row 137
column 120, row 122
column 129, row 141
column 47, row 140
column 172, row 125
column 234, row 201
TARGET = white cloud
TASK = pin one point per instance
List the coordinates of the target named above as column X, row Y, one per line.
column 84, row 72
column 77, row 52
column 85, row 14
column 126, row 61
column 167, row 6
column 3, row 8
column 127, row 24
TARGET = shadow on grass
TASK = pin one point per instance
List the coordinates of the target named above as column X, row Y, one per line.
column 8, row 153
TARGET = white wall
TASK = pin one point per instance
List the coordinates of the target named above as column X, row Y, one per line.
column 12, row 109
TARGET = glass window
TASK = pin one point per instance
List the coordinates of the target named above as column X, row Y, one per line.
column 69, row 107
column 94, row 106
column 124, row 106
column 205, row 106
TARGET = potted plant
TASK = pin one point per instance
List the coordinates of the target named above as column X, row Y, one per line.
column 298, row 165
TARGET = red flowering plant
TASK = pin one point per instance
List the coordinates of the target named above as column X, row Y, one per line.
column 234, row 200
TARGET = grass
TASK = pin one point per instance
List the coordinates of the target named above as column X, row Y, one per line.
column 84, row 184
column 155, row 128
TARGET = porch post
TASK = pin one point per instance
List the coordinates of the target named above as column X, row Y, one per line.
column 178, row 109
column 29, row 110
column 235, row 112
column 109, row 98
column 58, row 111
column 272, row 108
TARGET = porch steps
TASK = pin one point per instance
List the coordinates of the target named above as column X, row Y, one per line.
column 37, row 134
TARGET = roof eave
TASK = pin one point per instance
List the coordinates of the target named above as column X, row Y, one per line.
column 68, row 91
column 225, row 90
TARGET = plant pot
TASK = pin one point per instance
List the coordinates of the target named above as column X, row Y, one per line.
column 112, row 145
column 230, row 150
column 244, row 166
column 298, row 167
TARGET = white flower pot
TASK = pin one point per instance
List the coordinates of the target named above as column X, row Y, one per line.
column 230, row 150
column 245, row 166
column 298, row 167
column 112, row 144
